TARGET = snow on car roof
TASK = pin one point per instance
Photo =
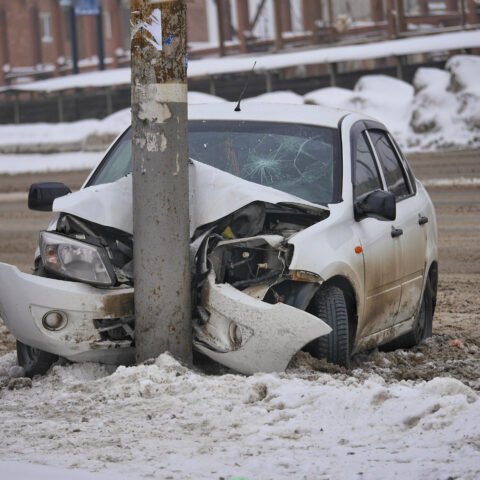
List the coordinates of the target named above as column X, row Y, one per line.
column 269, row 112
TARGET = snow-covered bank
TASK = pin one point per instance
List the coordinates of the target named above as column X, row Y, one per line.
column 84, row 135
column 55, row 162
column 441, row 111
column 165, row 421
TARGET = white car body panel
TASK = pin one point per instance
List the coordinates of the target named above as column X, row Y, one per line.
column 271, row 334
column 269, row 112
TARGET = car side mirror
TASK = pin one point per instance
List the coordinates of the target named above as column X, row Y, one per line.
column 377, row 204
column 42, row 195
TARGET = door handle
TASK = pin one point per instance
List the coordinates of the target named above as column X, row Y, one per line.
column 396, row 232
column 422, row 220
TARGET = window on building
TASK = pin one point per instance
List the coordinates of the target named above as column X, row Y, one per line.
column 46, row 27
column 107, row 21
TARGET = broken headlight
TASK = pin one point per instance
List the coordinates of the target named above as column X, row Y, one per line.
column 76, row 260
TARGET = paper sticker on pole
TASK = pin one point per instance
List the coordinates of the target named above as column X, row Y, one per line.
column 153, row 27
column 159, row 48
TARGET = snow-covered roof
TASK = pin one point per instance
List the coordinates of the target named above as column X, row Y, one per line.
column 244, row 63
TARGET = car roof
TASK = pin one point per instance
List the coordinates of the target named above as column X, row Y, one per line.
column 269, row 112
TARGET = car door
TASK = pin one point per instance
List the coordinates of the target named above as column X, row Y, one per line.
column 408, row 225
column 381, row 252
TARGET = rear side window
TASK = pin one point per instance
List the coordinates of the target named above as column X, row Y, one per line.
column 390, row 163
column 367, row 178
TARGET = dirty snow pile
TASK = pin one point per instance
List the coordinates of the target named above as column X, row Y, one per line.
column 373, row 96
column 441, row 111
column 446, row 108
column 163, row 420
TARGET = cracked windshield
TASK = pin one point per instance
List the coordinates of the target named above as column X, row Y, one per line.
column 298, row 159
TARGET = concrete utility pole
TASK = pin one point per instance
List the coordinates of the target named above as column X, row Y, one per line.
column 160, row 179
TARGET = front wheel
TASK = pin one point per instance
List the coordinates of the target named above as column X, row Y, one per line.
column 330, row 305
column 33, row 360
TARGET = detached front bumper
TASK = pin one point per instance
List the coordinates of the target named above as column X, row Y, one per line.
column 25, row 300
column 269, row 334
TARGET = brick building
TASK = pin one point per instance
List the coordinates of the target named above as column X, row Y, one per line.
column 35, row 34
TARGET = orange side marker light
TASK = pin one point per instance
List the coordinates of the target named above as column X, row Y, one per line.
column 358, row 249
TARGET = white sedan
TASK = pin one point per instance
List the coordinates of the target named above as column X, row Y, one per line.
column 308, row 230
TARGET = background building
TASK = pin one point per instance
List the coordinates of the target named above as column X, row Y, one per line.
column 35, row 35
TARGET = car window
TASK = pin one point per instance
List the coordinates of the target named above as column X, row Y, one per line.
column 406, row 166
column 301, row 160
column 390, row 164
column 117, row 163
column 366, row 176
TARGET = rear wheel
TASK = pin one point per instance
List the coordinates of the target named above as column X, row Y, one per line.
column 330, row 305
column 33, row 360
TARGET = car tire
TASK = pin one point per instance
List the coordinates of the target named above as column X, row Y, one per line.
column 330, row 305
column 422, row 327
column 33, row 360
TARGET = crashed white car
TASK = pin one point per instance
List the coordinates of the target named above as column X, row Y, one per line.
column 308, row 230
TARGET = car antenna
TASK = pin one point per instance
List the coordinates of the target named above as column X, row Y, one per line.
column 237, row 108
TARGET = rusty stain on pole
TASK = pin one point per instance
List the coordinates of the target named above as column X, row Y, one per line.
column 160, row 179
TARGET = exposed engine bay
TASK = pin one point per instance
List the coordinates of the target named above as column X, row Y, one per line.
column 245, row 253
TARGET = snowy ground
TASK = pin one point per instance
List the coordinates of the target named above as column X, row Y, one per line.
column 166, row 421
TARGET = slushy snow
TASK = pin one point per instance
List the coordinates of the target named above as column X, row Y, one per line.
column 163, row 420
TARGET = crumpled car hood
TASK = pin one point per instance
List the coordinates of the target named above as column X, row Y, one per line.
column 214, row 194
